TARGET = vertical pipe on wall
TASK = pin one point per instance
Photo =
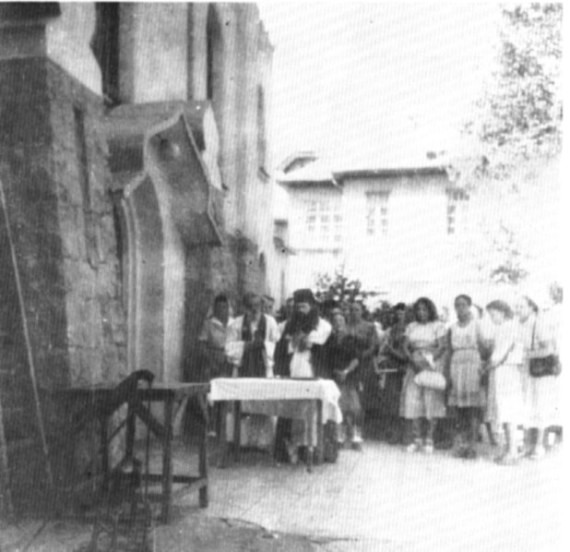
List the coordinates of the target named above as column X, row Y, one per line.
column 31, row 363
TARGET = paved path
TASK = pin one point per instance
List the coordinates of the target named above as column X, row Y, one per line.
column 387, row 499
column 380, row 500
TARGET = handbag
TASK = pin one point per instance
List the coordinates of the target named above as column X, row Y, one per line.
column 548, row 365
column 430, row 380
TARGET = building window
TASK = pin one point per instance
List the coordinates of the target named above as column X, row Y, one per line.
column 324, row 222
column 377, row 213
column 105, row 46
column 456, row 211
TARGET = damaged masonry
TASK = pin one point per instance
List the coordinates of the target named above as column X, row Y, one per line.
column 133, row 152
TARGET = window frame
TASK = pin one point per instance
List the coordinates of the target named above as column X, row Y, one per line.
column 377, row 213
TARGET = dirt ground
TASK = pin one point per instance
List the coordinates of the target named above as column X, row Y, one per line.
column 379, row 500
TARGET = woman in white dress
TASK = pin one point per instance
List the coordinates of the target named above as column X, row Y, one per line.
column 505, row 404
column 540, row 393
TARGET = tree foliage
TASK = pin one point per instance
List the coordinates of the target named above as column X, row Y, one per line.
column 340, row 289
column 516, row 139
column 520, row 112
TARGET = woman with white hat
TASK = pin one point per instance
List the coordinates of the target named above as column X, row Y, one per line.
column 505, row 402
column 540, row 393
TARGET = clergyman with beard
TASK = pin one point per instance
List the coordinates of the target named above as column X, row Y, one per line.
column 298, row 355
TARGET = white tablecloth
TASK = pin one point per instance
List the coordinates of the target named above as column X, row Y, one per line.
column 276, row 389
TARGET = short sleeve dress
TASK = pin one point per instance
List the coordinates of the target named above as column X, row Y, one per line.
column 465, row 365
column 420, row 402
column 541, row 395
column 505, row 403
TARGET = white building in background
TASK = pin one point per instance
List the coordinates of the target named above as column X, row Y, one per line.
column 399, row 227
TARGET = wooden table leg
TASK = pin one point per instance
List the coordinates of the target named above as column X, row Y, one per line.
column 203, row 459
column 167, row 461
column 309, row 420
column 223, row 436
column 237, row 430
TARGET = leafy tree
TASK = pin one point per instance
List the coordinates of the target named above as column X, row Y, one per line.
column 340, row 289
column 516, row 139
column 520, row 113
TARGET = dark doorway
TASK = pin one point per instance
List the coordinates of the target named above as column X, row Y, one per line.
column 105, row 46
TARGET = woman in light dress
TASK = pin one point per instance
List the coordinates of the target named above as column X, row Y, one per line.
column 466, row 394
column 425, row 347
column 505, row 404
column 540, row 394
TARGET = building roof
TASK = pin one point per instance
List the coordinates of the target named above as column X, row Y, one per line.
column 316, row 171
column 320, row 171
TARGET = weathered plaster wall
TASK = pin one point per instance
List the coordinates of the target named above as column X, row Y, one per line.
column 67, row 39
column 154, row 52
column 66, row 238
column 96, row 333
column 54, row 176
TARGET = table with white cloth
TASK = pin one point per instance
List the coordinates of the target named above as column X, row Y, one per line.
column 306, row 399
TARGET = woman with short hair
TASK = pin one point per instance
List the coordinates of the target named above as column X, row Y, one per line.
column 505, row 404
column 466, row 394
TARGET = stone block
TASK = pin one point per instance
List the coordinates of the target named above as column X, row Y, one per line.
column 52, row 369
column 107, row 239
column 24, row 103
column 114, row 316
column 72, row 242
column 86, row 366
column 108, row 279
column 84, row 327
column 79, row 280
column 113, row 367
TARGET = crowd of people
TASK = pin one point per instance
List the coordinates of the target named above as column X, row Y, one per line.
column 479, row 371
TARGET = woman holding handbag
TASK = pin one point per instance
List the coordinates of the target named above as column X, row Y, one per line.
column 423, row 392
column 540, row 387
